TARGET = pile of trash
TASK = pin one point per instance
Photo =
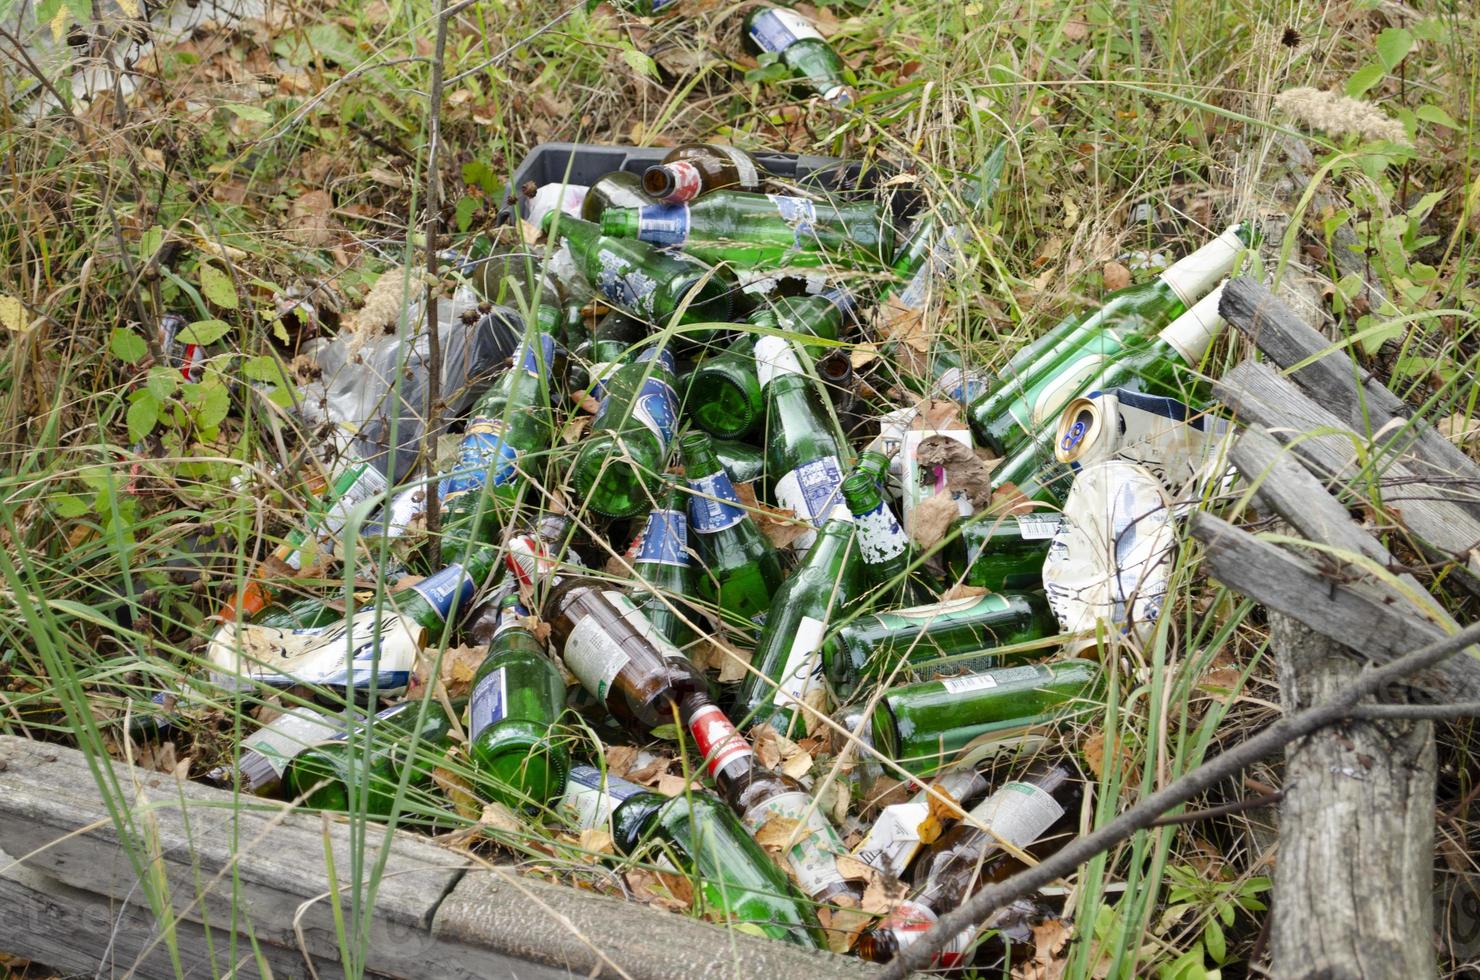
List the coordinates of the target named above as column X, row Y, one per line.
column 730, row 576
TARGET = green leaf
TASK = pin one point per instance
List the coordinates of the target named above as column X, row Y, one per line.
column 162, row 381
column 251, row 113
column 204, row 332
column 150, row 242
column 640, row 62
column 143, row 414
column 1215, row 942
column 217, row 287
column 668, row 733
column 81, row 10
column 127, row 346
column 215, row 404
column 1363, row 79
column 1393, row 46
column 466, row 208
column 263, row 368
column 1429, row 112
column 70, row 505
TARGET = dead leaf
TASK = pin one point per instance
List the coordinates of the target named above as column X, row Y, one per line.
column 311, row 218
column 797, row 765
column 1093, row 750
column 1459, row 429
column 1116, row 276
column 1050, row 936
column 780, row 527
column 671, row 784
column 712, row 653
column 596, row 841
column 931, row 518
column 459, row 665
column 1075, row 30
column 1008, row 499
column 460, row 792
column 818, row 700
column 963, row 469
column 843, row 924
column 496, row 816
column 853, row 869
column 620, row 759
column 659, row 888
column 767, row 746
column 862, row 355
column 777, row 834
column 574, row 430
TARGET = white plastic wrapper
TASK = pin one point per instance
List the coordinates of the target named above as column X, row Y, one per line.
column 1111, row 557
column 548, row 197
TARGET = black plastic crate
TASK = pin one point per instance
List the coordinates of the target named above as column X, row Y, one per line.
column 584, row 163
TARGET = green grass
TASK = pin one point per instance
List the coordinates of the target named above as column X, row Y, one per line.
column 1106, row 106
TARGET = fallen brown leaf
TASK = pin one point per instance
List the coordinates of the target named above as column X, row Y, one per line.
column 596, row 841
column 931, row 518
column 311, row 218
column 1116, row 276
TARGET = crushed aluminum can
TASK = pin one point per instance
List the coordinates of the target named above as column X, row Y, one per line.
column 1112, row 557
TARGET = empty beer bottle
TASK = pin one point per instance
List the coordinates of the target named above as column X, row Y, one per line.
column 761, row 795
column 1047, row 374
column 886, row 549
column 724, row 393
column 737, row 882
column 743, row 463
column 1000, row 552
column 618, row 189
column 749, row 231
column 592, row 796
column 874, row 465
column 787, row 661
column 794, row 42
column 803, row 455
column 739, row 570
column 665, row 576
column 1166, row 365
column 517, row 754
column 872, row 645
column 263, row 756
column 1034, row 471
column 699, row 168
column 1035, row 812
column 619, row 467
column 362, row 769
column 511, row 421
column 642, row 280
column 617, row 655
column 902, row 829
column 923, row 726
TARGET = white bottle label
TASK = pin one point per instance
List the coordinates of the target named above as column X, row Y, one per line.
column 1019, row 813
column 593, row 800
column 488, row 703
column 265, row 753
column 894, row 839
column 777, row 29
column 813, row 858
column 1193, row 276
column 880, row 538
column 803, row 670
column 774, row 356
column 1038, row 527
column 594, row 656
column 367, row 482
column 811, row 492
column 971, row 682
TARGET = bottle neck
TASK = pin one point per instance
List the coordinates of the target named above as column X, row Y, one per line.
column 775, row 362
column 1192, row 333
column 620, row 222
column 1193, row 276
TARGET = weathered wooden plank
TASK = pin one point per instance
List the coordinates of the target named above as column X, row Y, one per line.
column 254, row 862
column 1353, row 886
column 1329, row 448
column 493, row 912
column 76, row 931
column 1332, row 379
column 1370, row 622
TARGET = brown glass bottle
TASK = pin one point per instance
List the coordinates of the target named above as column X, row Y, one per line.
column 617, row 655
column 698, row 168
column 759, row 794
column 1036, row 813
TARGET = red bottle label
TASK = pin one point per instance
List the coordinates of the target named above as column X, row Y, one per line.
column 716, row 738
column 911, row 920
column 687, row 182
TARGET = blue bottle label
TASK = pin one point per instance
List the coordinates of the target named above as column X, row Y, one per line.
column 811, row 491
column 488, row 703
column 535, row 360
column 449, row 589
column 663, row 224
column 665, row 539
column 628, row 288
column 484, row 457
column 715, row 505
column 801, row 215
column 662, row 355
column 778, row 29
column 656, row 405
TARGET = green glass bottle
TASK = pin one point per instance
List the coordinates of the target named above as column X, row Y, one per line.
column 513, row 421
column 618, row 470
column 643, row 280
column 362, row 769
column 724, row 392
column 1166, row 366
column 736, row 881
column 765, row 231
column 743, row 462
column 804, row 457
column 263, row 756
column 1045, row 376
column 787, row 663
column 700, row 168
column 790, row 38
column 519, row 757
column 871, row 646
column 924, row 726
column 740, row 570
column 618, row 189
column 1035, row 472
column 665, row 577
column 1000, row 552
column 376, row 646
column 874, row 465
column 886, row 549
